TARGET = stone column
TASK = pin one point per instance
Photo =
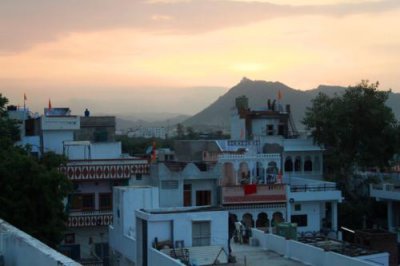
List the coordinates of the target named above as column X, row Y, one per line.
column 390, row 215
column 334, row 216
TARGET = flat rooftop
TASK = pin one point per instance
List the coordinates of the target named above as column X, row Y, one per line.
column 255, row 256
column 182, row 209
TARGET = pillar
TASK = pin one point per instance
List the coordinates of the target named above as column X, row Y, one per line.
column 334, row 216
column 390, row 215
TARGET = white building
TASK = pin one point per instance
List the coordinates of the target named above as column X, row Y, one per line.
column 143, row 234
column 149, row 132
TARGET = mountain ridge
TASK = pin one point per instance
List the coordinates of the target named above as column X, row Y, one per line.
column 217, row 114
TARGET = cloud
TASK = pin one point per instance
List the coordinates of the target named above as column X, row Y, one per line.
column 26, row 23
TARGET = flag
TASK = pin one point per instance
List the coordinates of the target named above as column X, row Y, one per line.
column 279, row 95
column 25, row 98
column 49, row 104
column 250, row 189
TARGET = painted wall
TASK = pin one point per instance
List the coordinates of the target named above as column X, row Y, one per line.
column 157, row 258
column 20, row 248
column 311, row 255
column 182, row 226
column 53, row 140
column 313, row 212
column 123, row 247
column 98, row 150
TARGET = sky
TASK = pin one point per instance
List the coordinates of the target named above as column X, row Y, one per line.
column 178, row 56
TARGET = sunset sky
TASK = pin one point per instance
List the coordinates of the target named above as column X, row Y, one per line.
column 179, row 55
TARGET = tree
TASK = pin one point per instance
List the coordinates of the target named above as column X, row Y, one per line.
column 180, row 131
column 358, row 131
column 31, row 190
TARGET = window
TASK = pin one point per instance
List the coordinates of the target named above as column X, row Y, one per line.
column 187, row 195
column 300, row 220
column 82, row 202
column 308, row 164
column 203, row 197
column 105, row 201
column 201, row 233
column 270, row 130
column 288, row 164
column 281, row 130
column 297, row 207
column 88, row 202
column 138, row 177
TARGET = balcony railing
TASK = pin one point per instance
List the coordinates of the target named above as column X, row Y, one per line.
column 104, row 169
column 90, row 218
column 272, row 156
column 313, row 188
column 259, row 194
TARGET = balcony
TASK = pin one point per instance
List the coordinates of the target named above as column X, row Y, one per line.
column 385, row 191
column 104, row 169
column 324, row 191
column 90, row 218
column 244, row 157
column 272, row 193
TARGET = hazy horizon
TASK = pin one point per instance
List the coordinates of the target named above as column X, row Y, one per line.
column 178, row 56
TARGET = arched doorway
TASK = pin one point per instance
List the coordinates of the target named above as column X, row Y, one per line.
column 277, row 218
column 247, row 220
column 288, row 164
column 308, row 165
column 262, row 220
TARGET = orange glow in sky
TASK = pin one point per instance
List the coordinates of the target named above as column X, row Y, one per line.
column 69, row 50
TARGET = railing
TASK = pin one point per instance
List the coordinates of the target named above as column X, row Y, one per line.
column 253, row 194
column 243, row 142
column 313, row 188
column 97, row 170
column 386, row 187
column 273, row 156
column 60, row 122
column 89, row 218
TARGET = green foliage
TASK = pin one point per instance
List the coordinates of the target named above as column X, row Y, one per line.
column 31, row 190
column 357, row 128
column 9, row 132
column 359, row 132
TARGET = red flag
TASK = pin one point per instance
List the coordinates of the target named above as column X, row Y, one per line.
column 250, row 189
column 49, row 104
column 25, row 98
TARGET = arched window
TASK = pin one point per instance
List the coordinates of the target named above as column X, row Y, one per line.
column 297, row 164
column 308, row 164
column 288, row 164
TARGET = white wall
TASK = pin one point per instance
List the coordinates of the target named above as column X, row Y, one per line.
column 311, row 255
column 100, row 150
column 125, row 245
column 20, row 248
column 312, row 209
column 157, row 258
column 53, row 140
column 182, row 226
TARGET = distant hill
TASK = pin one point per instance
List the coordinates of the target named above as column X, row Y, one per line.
column 217, row 115
column 133, row 121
